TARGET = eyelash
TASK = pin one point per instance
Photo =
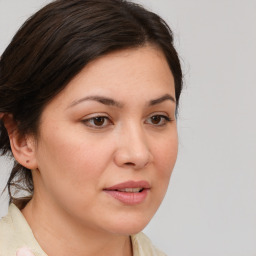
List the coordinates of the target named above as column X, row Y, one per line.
column 92, row 119
column 164, row 119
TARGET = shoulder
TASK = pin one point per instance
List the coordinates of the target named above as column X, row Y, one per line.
column 7, row 234
column 16, row 233
column 142, row 246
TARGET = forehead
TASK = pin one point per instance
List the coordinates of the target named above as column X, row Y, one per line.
column 124, row 75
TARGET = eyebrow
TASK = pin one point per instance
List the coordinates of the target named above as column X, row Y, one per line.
column 162, row 99
column 100, row 99
column 114, row 103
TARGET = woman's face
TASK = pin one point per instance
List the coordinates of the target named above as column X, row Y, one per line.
column 108, row 142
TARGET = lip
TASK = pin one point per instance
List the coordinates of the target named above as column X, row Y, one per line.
column 129, row 198
column 130, row 184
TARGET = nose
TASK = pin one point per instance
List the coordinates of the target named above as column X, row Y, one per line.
column 132, row 149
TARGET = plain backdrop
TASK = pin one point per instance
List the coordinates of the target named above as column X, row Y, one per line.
column 210, row 207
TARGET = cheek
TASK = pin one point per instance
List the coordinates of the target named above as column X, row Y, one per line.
column 165, row 156
column 166, row 153
column 68, row 171
column 71, row 157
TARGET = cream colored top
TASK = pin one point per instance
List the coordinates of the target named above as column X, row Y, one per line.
column 16, row 233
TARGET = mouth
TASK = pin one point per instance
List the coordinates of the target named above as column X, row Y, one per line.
column 130, row 192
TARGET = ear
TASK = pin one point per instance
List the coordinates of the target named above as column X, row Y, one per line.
column 23, row 147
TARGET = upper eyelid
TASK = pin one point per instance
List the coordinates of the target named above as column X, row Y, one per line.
column 163, row 114
column 91, row 116
column 110, row 122
column 166, row 117
column 104, row 115
column 86, row 121
column 159, row 114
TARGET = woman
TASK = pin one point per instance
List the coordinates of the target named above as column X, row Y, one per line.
column 88, row 96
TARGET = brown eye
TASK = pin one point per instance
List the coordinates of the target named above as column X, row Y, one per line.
column 155, row 119
column 158, row 120
column 97, row 122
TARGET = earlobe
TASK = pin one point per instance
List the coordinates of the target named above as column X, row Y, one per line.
column 23, row 147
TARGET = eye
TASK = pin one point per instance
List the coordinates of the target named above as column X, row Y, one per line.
column 158, row 120
column 97, row 122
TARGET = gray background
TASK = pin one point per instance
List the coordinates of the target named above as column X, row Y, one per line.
column 210, row 207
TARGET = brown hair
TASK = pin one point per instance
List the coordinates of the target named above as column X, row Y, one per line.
column 54, row 45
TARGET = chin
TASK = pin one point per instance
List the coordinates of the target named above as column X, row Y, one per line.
column 130, row 226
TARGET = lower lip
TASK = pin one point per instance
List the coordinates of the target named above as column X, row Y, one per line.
column 127, row 197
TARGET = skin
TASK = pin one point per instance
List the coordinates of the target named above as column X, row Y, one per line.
column 76, row 156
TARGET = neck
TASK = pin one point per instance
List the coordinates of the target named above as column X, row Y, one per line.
column 58, row 234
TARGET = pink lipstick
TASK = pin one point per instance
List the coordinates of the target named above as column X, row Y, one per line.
column 129, row 192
